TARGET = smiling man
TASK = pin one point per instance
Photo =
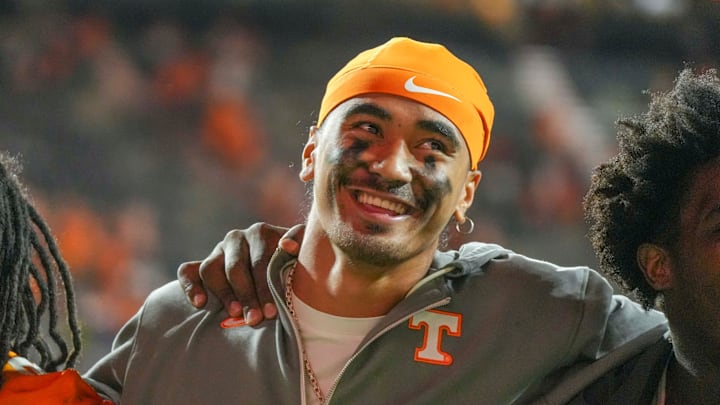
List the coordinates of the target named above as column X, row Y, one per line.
column 388, row 174
column 370, row 311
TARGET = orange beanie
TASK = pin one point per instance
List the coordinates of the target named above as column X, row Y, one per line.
column 427, row 73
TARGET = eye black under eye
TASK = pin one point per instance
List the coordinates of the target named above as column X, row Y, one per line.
column 358, row 145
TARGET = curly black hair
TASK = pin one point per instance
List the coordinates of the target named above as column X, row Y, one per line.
column 636, row 197
column 33, row 280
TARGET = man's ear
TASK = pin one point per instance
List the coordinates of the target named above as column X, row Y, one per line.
column 656, row 266
column 467, row 195
column 309, row 155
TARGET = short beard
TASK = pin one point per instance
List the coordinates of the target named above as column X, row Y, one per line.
column 359, row 248
column 366, row 249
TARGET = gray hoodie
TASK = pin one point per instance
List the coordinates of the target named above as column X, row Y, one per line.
column 495, row 328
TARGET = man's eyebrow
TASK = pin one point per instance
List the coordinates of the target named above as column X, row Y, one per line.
column 440, row 128
column 437, row 127
column 369, row 109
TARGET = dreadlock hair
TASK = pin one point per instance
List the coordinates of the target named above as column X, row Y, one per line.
column 637, row 196
column 30, row 263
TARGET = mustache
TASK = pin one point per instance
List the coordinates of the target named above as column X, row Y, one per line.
column 400, row 189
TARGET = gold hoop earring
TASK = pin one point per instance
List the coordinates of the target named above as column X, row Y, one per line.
column 461, row 229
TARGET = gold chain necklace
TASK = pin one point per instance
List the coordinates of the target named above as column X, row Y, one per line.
column 308, row 368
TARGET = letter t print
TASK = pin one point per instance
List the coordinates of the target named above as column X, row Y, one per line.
column 435, row 322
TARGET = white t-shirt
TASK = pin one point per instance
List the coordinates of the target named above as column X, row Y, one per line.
column 329, row 341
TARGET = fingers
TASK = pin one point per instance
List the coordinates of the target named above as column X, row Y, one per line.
column 241, row 275
column 188, row 274
column 291, row 240
column 263, row 240
column 236, row 271
column 212, row 273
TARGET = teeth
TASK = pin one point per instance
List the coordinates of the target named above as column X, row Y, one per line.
column 397, row 208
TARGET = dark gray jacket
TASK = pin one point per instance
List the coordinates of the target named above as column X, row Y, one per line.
column 635, row 382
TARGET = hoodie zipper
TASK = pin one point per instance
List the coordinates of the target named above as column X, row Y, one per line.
column 330, row 393
column 298, row 338
column 296, row 333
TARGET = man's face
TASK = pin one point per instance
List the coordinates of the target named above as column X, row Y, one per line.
column 695, row 294
column 389, row 173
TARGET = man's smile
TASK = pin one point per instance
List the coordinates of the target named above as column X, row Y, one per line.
column 381, row 204
column 378, row 202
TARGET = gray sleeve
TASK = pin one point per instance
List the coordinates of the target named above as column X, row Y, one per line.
column 612, row 330
column 138, row 340
column 610, row 321
column 107, row 376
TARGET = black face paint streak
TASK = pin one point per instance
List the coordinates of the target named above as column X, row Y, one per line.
column 348, row 166
column 430, row 163
column 343, row 162
column 428, row 188
column 436, row 187
column 358, row 147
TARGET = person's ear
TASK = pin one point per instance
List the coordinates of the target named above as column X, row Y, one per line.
column 656, row 266
column 309, row 155
column 468, row 194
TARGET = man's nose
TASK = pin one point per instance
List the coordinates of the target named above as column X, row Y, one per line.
column 393, row 162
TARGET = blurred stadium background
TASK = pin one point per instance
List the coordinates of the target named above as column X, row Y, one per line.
column 150, row 128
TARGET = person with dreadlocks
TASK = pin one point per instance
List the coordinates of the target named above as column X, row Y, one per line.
column 654, row 215
column 30, row 265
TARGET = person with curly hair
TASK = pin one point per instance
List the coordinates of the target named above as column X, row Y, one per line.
column 654, row 216
column 34, row 280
